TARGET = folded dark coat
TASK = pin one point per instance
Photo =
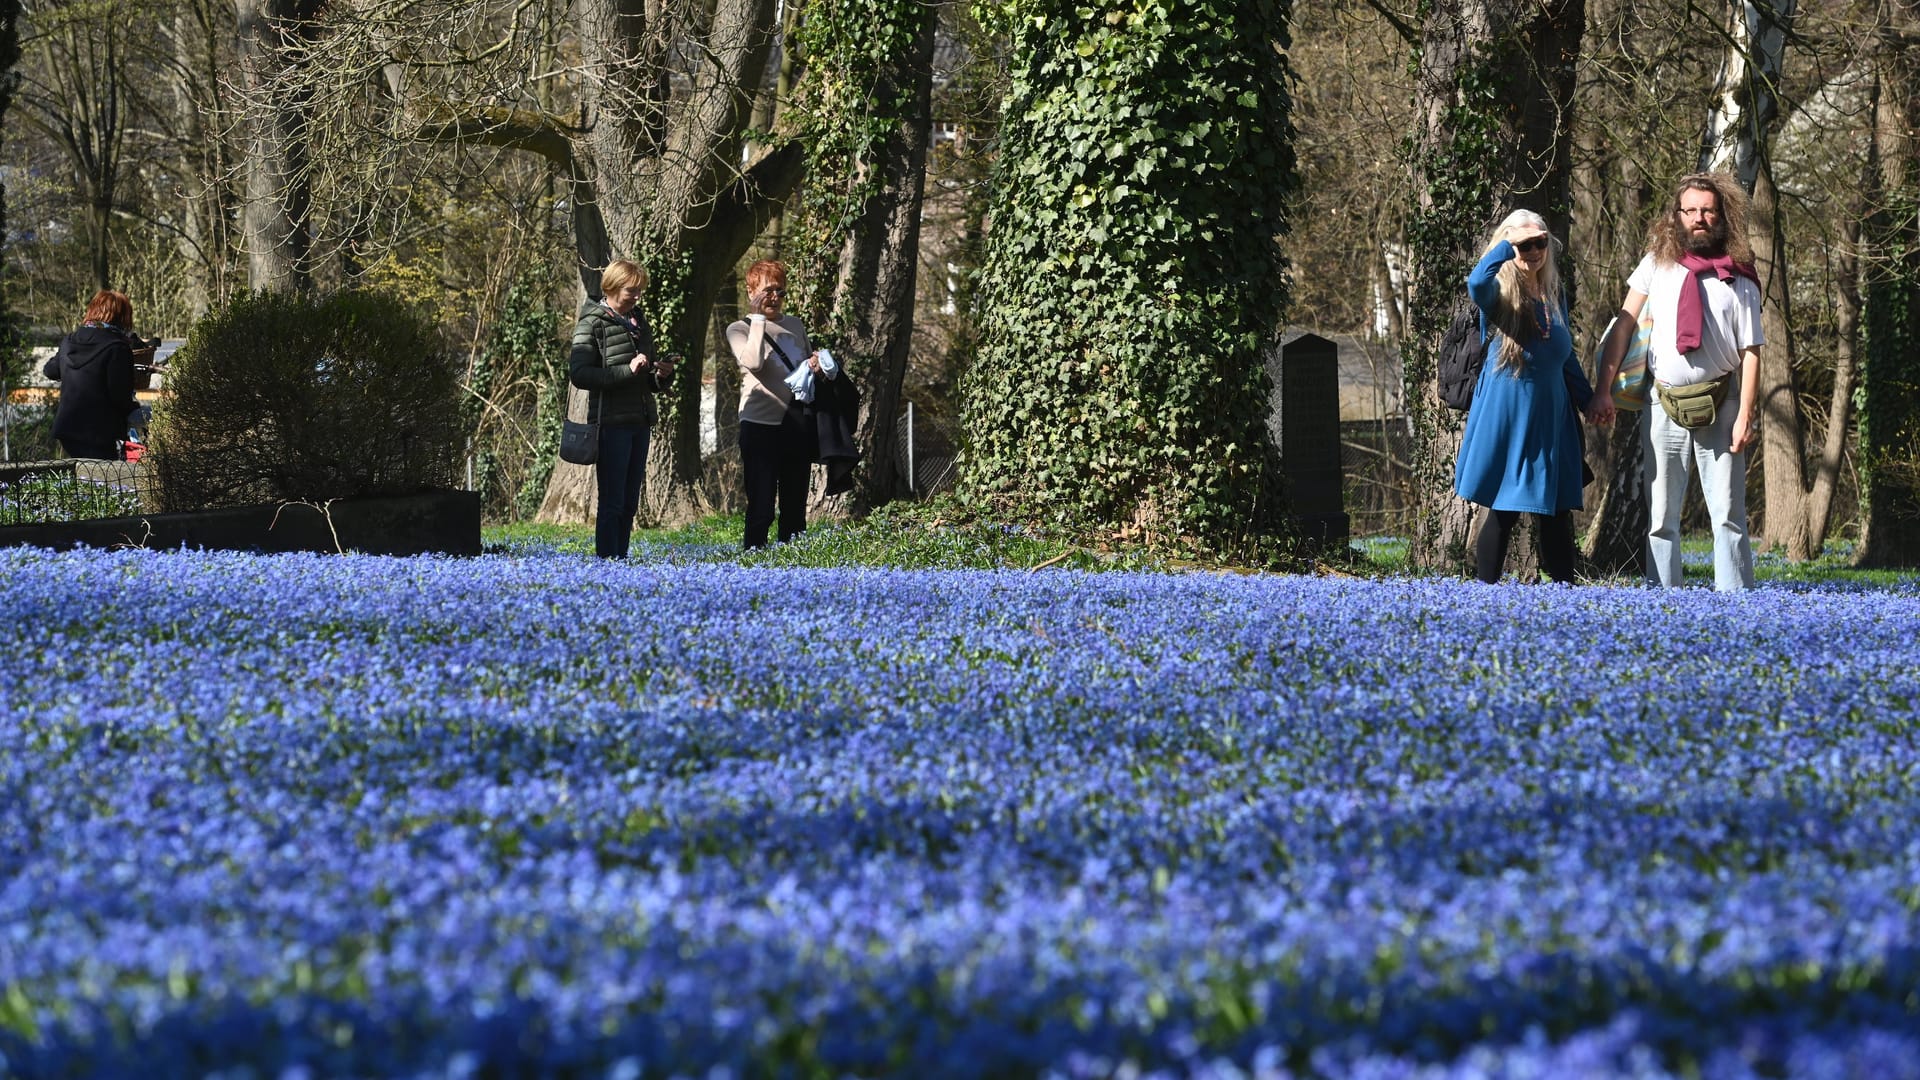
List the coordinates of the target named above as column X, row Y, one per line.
column 836, row 415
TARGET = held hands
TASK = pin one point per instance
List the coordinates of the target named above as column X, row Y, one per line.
column 1600, row 410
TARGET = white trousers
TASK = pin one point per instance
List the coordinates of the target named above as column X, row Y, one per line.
column 1671, row 452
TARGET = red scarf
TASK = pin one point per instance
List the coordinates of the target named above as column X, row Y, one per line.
column 1686, row 334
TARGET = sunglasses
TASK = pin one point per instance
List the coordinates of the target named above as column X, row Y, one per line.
column 1535, row 244
column 776, row 290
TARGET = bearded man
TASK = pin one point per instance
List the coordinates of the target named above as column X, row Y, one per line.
column 1704, row 357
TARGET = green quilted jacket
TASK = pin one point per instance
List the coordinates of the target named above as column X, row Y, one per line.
column 601, row 364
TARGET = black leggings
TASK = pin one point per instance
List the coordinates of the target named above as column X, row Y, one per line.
column 1555, row 544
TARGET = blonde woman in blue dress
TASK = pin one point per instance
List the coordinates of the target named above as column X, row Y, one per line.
column 1521, row 450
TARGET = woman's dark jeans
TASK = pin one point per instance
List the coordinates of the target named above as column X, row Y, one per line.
column 619, row 474
column 778, row 461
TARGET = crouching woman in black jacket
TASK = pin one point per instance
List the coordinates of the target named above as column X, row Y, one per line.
column 94, row 367
column 614, row 360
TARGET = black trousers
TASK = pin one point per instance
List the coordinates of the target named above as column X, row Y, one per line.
column 84, row 448
column 618, row 477
column 1555, row 542
column 778, row 462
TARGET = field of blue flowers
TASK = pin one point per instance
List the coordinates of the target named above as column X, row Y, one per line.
column 535, row 815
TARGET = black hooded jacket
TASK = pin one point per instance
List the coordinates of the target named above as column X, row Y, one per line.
column 94, row 367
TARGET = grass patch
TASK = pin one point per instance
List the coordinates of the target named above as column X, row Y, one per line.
column 1388, row 555
column 922, row 536
column 907, row 536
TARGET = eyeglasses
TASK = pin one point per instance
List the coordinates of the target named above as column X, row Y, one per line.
column 775, row 290
column 1530, row 246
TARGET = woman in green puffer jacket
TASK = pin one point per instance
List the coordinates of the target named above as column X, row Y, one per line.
column 614, row 360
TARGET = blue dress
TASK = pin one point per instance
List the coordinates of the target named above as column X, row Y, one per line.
column 1521, row 450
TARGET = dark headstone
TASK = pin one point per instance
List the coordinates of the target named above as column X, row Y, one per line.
column 1308, row 387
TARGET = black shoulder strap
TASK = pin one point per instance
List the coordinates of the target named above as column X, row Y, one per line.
column 781, row 351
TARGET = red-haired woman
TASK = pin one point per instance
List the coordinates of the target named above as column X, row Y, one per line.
column 777, row 443
column 94, row 367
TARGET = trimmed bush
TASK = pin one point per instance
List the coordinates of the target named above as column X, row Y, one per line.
column 282, row 397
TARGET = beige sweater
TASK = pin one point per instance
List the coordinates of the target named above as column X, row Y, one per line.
column 764, row 396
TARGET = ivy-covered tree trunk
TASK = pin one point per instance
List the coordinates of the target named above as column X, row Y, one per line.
column 1890, row 375
column 1133, row 285
column 866, row 115
column 1494, row 98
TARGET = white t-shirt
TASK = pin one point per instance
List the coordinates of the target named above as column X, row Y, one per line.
column 1729, row 322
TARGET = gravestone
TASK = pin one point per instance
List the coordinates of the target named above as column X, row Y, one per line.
column 1307, row 384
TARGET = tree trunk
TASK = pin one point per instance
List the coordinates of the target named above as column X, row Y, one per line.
column 1846, row 281
column 658, row 180
column 571, row 496
column 205, row 240
column 279, row 196
column 1735, row 138
column 1890, row 376
column 1611, row 190
column 1616, row 512
column 9, row 55
column 879, row 264
column 1783, row 452
column 1476, row 156
column 726, row 370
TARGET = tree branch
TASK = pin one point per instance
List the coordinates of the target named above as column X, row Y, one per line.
column 497, row 125
column 1400, row 26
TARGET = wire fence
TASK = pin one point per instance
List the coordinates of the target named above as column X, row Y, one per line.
column 1377, row 474
column 926, row 451
column 74, row 489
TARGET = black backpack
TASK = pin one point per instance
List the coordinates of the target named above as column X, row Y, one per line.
column 1463, row 352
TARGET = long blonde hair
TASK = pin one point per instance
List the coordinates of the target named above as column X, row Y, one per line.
column 1512, row 318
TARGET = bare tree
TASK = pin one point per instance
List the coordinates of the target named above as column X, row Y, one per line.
column 75, row 91
column 278, row 232
column 640, row 107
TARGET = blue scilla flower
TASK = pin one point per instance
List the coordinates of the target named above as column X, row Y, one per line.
column 417, row 816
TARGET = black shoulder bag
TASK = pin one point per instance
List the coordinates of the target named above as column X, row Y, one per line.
column 580, row 443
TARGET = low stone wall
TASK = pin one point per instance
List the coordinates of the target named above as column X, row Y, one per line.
column 435, row 522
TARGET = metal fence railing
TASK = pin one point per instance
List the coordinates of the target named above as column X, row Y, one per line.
column 927, row 453
column 74, row 489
